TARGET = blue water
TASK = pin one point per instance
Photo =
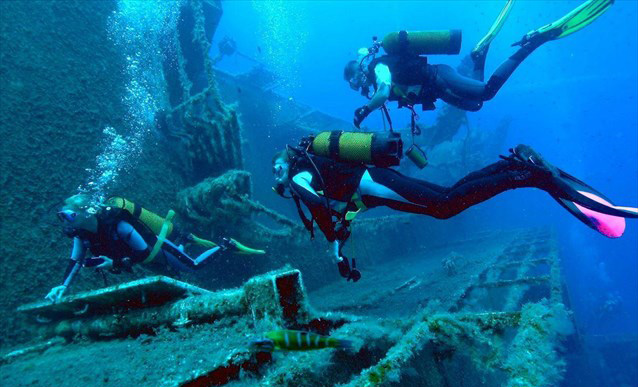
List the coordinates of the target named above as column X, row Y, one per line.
column 574, row 100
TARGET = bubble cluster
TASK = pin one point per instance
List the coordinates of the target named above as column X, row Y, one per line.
column 108, row 164
column 139, row 29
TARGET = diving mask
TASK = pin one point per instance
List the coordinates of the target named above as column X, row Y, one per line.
column 357, row 81
column 67, row 215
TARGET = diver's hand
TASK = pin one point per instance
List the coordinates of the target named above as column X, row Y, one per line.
column 56, row 293
column 360, row 114
column 106, row 264
column 99, row 262
column 348, row 272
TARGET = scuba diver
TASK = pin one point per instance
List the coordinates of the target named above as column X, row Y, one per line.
column 120, row 234
column 404, row 74
column 339, row 174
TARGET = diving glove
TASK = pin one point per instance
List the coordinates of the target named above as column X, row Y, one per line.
column 360, row 114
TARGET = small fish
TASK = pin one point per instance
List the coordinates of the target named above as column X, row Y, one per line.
column 238, row 90
column 288, row 340
column 259, row 49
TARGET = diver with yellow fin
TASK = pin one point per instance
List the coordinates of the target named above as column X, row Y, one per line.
column 404, row 74
column 120, row 234
column 337, row 175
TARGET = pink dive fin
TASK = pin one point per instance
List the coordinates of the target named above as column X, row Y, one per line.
column 608, row 225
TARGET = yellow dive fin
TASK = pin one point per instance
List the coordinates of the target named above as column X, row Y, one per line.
column 577, row 19
column 201, row 241
column 495, row 28
column 241, row 249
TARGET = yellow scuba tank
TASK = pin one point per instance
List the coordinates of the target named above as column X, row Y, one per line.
column 151, row 220
column 381, row 149
column 423, row 42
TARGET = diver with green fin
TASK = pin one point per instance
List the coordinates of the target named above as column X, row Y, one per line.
column 338, row 174
column 120, row 234
column 404, row 74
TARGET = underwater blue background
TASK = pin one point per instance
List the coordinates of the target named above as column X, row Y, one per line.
column 574, row 100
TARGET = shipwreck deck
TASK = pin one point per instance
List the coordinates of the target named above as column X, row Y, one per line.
column 436, row 317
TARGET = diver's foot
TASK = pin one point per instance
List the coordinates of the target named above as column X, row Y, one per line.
column 480, row 51
column 478, row 56
column 525, row 154
column 533, row 39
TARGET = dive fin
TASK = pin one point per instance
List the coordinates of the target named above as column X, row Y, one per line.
column 201, row 241
column 574, row 190
column 484, row 43
column 577, row 19
column 241, row 249
column 608, row 225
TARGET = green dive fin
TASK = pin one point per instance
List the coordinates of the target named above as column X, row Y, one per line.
column 241, row 249
column 577, row 19
column 495, row 28
column 201, row 241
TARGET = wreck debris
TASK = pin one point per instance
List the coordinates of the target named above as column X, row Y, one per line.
column 216, row 200
column 205, row 131
column 31, row 349
column 117, row 311
column 432, row 347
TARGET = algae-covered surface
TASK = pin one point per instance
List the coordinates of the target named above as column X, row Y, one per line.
column 402, row 285
column 416, row 293
column 164, row 359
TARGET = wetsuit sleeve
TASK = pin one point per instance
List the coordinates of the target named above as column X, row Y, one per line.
column 384, row 83
column 75, row 262
column 300, row 185
column 134, row 240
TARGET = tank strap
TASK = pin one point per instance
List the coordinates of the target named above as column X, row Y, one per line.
column 403, row 42
column 333, row 144
column 161, row 237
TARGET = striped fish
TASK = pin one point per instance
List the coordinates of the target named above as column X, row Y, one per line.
column 289, row 340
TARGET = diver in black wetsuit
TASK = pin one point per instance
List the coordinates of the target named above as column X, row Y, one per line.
column 120, row 234
column 406, row 77
column 335, row 192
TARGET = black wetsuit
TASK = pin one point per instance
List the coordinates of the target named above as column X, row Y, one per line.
column 343, row 181
column 121, row 237
column 442, row 81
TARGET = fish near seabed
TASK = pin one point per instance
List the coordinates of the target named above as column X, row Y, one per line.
column 290, row 340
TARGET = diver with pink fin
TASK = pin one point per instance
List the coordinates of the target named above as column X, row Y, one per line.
column 337, row 175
